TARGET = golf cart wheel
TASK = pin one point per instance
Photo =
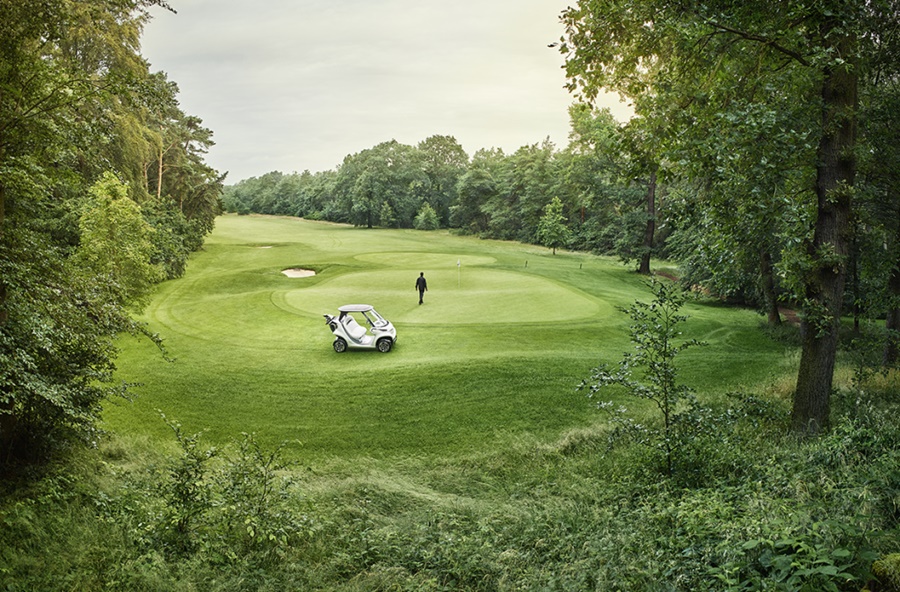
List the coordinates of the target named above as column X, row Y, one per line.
column 384, row 345
column 340, row 345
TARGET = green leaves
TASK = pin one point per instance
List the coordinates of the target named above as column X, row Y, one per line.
column 77, row 104
column 793, row 563
column 552, row 231
column 116, row 246
column 426, row 219
column 233, row 509
column 649, row 373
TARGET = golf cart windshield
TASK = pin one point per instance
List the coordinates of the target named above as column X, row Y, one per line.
column 374, row 318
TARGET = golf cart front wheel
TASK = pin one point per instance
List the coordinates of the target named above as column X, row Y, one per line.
column 384, row 345
column 340, row 345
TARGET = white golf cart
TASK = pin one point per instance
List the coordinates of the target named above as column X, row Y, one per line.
column 348, row 333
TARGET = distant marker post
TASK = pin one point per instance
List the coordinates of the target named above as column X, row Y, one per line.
column 458, row 265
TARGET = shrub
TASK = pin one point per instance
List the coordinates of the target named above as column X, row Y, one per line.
column 426, row 219
column 650, row 373
column 252, row 495
column 887, row 570
column 187, row 493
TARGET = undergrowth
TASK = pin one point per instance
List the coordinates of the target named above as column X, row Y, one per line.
column 754, row 509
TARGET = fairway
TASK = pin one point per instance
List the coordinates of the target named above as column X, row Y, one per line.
column 506, row 333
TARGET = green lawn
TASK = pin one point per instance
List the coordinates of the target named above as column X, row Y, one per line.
column 493, row 355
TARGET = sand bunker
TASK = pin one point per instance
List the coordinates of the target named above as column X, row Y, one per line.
column 296, row 272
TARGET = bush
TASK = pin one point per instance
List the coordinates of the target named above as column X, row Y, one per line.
column 798, row 515
column 426, row 219
column 887, row 570
column 650, row 373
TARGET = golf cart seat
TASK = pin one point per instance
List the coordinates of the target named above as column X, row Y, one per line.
column 354, row 329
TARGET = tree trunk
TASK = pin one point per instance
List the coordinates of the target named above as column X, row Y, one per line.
column 892, row 320
column 7, row 402
column 835, row 176
column 159, row 175
column 767, row 286
column 854, row 281
column 650, row 230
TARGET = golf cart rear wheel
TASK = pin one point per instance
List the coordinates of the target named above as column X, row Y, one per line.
column 340, row 345
column 384, row 345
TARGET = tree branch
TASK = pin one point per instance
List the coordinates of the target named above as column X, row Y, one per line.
column 761, row 39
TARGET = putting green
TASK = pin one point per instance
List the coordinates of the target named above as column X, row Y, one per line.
column 425, row 261
column 484, row 296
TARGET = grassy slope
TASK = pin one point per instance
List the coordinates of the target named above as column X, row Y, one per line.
column 529, row 496
column 493, row 355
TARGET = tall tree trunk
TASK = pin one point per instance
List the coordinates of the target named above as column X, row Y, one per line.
column 835, row 176
column 892, row 320
column 159, row 175
column 650, row 229
column 767, row 286
column 7, row 402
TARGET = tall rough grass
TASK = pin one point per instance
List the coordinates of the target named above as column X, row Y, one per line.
column 766, row 513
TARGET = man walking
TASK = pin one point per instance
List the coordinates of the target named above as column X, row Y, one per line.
column 421, row 285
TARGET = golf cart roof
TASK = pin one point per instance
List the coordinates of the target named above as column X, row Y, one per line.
column 355, row 308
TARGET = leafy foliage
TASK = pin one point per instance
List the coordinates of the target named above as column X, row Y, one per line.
column 713, row 84
column 426, row 219
column 186, row 493
column 82, row 125
column 552, row 231
column 116, row 245
column 799, row 515
column 650, row 373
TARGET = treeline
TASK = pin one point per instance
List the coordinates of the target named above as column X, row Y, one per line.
column 104, row 192
column 604, row 194
column 735, row 229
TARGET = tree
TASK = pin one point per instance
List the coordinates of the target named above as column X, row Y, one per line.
column 592, row 176
column 386, row 217
column 444, row 162
column 475, row 187
column 748, row 178
column 879, row 223
column 75, row 248
column 116, row 245
column 705, row 54
column 426, row 219
column 650, row 372
column 523, row 182
column 643, row 165
column 388, row 172
column 614, row 171
column 552, row 231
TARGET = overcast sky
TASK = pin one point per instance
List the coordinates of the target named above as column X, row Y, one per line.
column 293, row 85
